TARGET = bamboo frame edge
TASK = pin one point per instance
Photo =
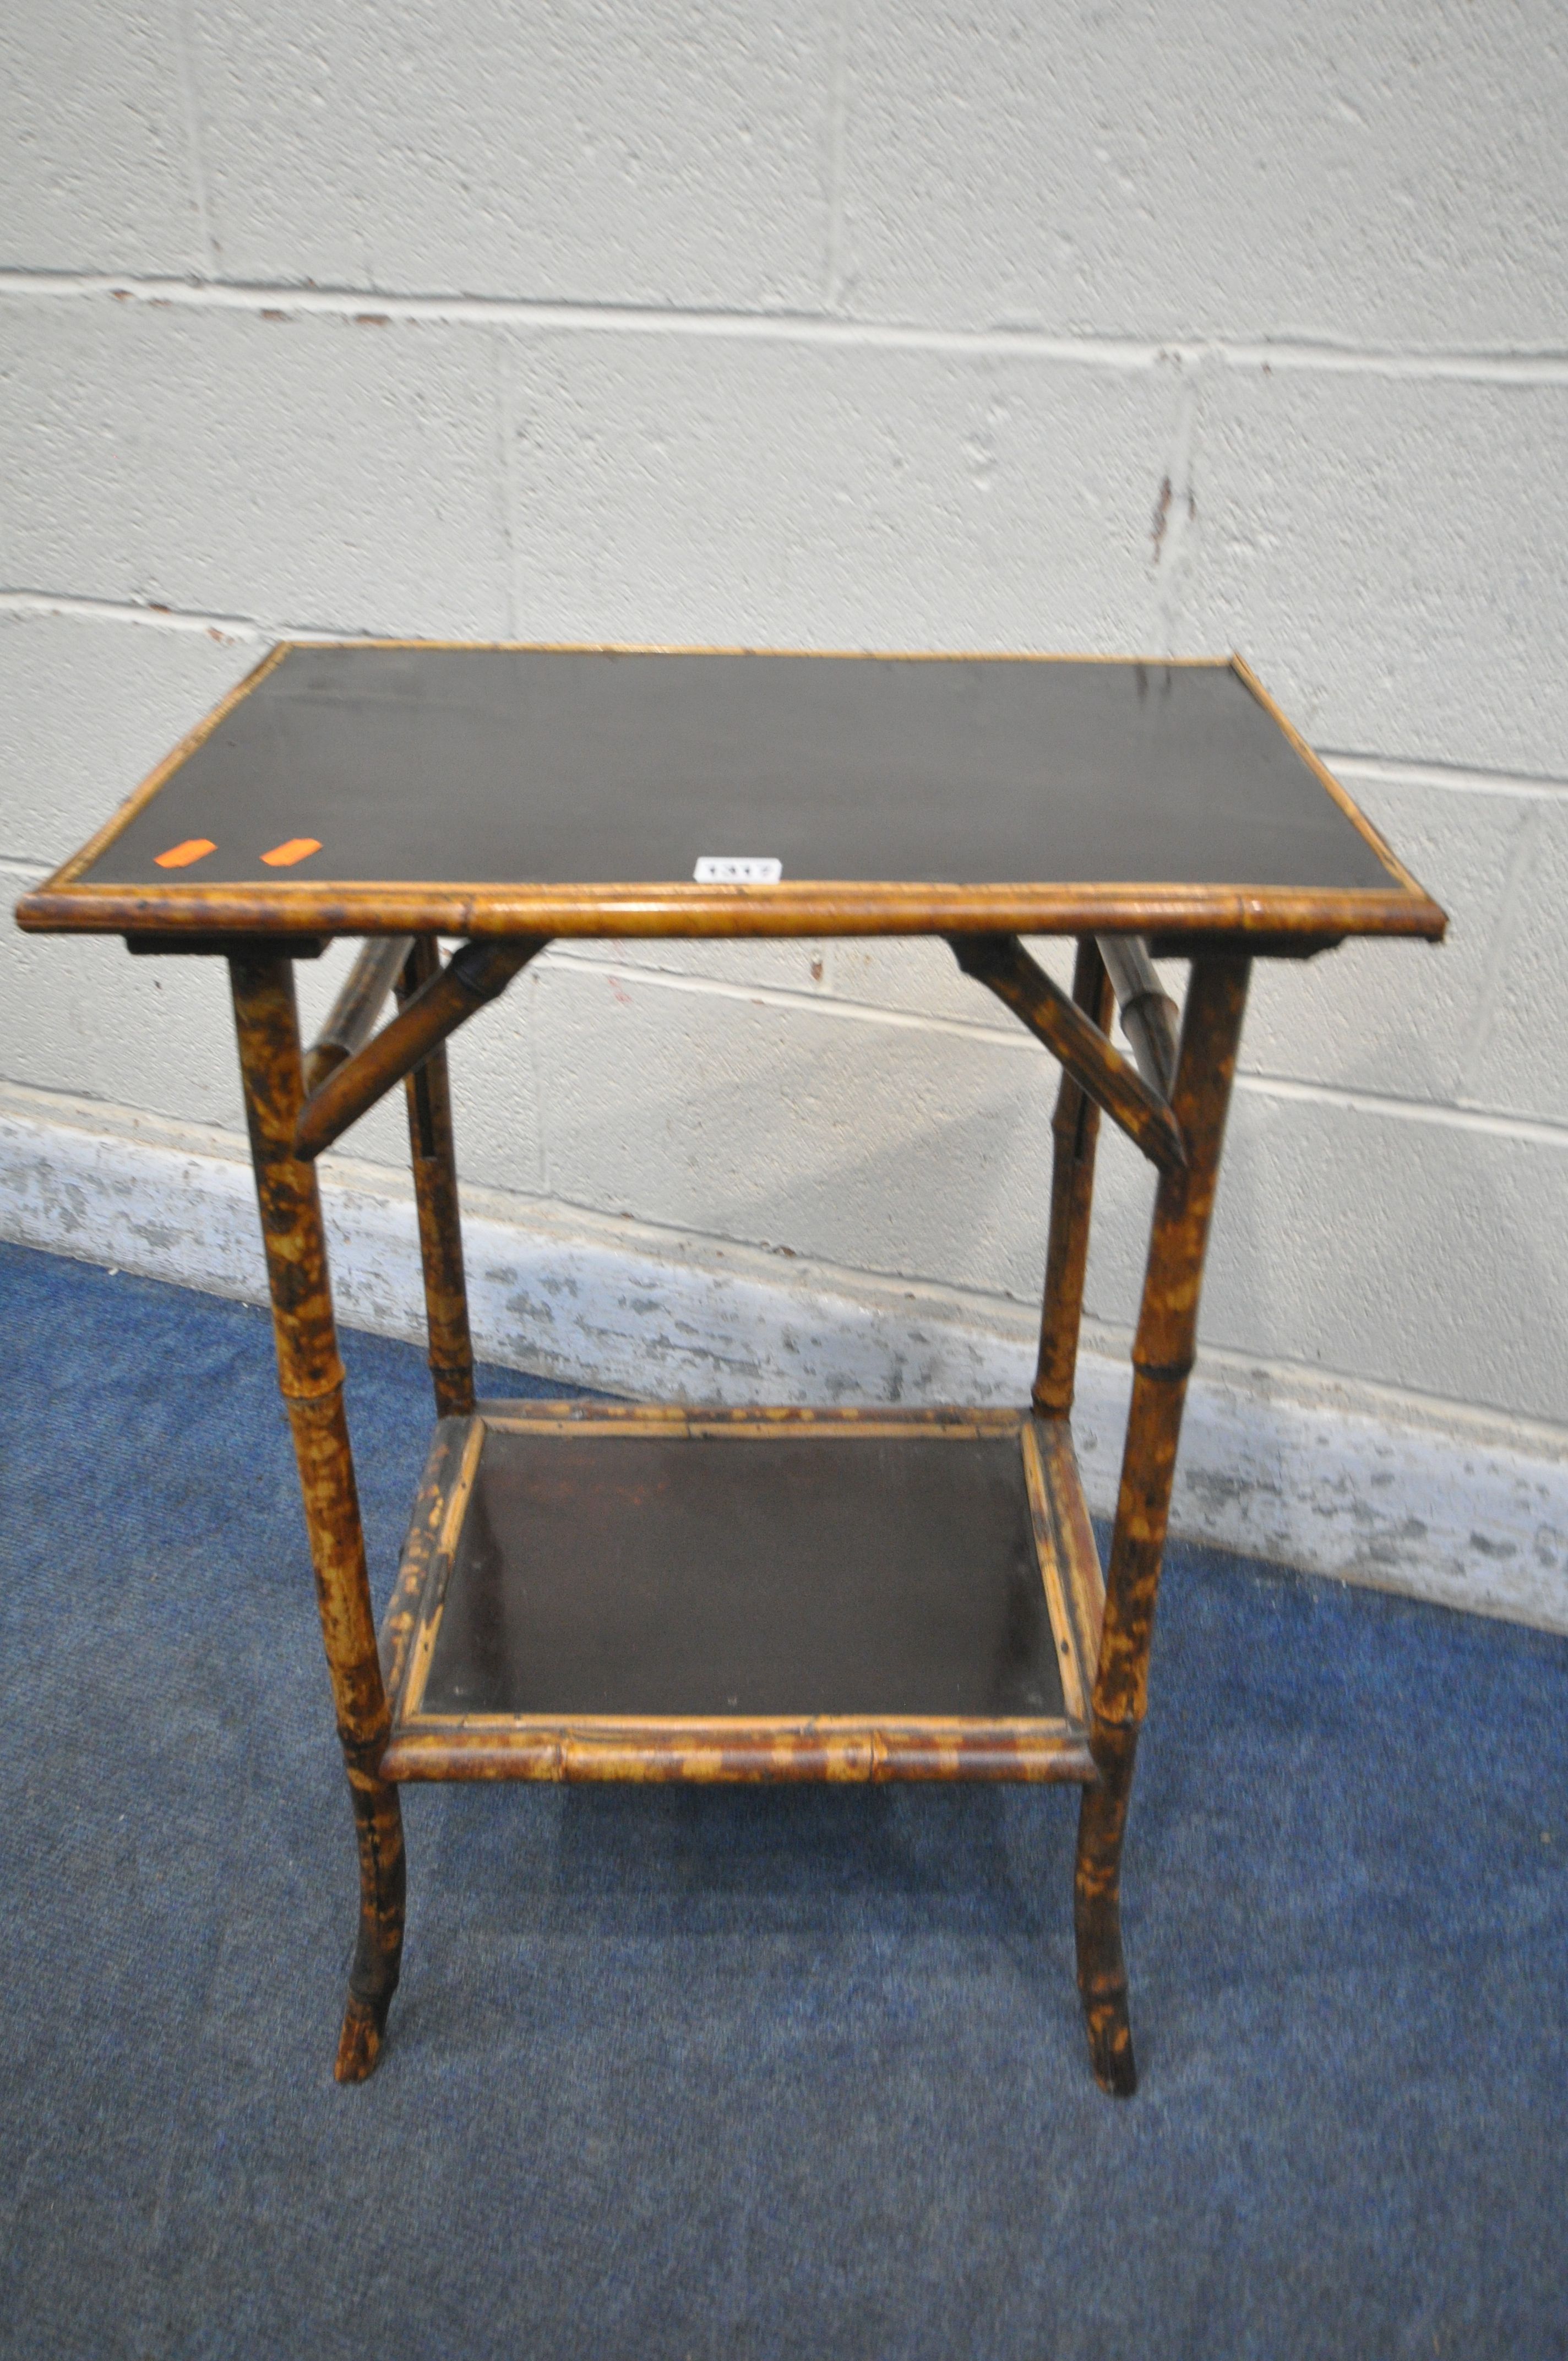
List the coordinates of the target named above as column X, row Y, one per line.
column 1364, row 828
column 158, row 776
column 678, row 908
column 403, row 1613
column 860, row 1749
column 1077, row 1679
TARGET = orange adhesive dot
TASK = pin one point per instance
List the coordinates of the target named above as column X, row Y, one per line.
column 181, row 856
column 297, row 847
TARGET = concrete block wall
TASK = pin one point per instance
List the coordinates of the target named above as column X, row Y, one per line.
column 1135, row 328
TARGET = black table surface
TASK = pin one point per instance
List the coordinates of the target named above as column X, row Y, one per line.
column 567, row 770
column 651, row 1574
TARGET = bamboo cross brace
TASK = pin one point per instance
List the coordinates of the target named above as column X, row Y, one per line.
column 358, row 1006
column 473, row 975
column 1148, row 1014
column 1000, row 963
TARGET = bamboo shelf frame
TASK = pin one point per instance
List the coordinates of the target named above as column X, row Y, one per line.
column 429, row 1741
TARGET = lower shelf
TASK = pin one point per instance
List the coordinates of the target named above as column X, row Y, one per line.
column 592, row 1591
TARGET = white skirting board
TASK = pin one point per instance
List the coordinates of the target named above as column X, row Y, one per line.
column 1435, row 1500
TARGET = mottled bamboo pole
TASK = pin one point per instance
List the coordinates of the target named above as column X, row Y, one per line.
column 1148, row 1014
column 1162, row 1359
column 354, row 1012
column 429, row 1095
column 475, row 975
column 311, row 1377
column 1075, row 1129
column 1004, row 967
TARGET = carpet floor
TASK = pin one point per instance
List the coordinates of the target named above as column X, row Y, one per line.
column 733, row 2073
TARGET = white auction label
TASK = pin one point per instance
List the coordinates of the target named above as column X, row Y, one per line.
column 736, row 868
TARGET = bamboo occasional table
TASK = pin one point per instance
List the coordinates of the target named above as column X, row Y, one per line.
column 592, row 1592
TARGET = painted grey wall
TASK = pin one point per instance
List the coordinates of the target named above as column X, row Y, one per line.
column 1143, row 328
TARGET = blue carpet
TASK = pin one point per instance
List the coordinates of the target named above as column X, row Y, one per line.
column 733, row 2073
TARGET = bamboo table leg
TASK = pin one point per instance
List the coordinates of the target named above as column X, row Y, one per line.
column 440, row 1222
column 1162, row 1358
column 1075, row 1128
column 311, row 1377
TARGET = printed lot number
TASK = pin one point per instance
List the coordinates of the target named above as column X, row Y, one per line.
column 736, row 868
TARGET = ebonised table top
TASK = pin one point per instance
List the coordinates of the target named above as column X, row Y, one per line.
column 363, row 788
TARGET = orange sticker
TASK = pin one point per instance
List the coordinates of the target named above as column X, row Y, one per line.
column 181, row 856
column 298, row 847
